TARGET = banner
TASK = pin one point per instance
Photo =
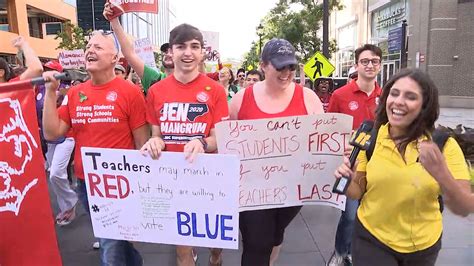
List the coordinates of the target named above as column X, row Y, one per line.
column 169, row 200
column 27, row 235
column 287, row 161
column 125, row 6
column 144, row 50
column 73, row 59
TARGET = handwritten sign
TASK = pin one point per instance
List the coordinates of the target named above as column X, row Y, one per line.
column 73, row 59
column 211, row 44
column 125, row 6
column 287, row 161
column 144, row 50
column 170, row 201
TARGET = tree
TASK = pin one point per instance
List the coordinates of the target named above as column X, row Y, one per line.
column 252, row 57
column 72, row 37
column 299, row 27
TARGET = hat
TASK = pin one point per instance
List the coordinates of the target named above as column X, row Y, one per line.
column 54, row 65
column 164, row 47
column 279, row 52
column 185, row 32
column 120, row 67
column 352, row 71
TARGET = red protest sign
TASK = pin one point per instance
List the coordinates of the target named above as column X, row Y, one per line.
column 26, row 220
column 125, row 6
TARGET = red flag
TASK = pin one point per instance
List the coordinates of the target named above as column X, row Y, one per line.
column 120, row 6
column 27, row 234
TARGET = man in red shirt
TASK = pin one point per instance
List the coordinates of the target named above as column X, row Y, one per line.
column 183, row 110
column 358, row 99
column 106, row 112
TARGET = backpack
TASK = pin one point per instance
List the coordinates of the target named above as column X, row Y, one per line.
column 439, row 137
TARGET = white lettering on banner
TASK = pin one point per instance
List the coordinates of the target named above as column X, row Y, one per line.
column 287, row 161
column 120, row 2
column 183, row 128
column 94, row 114
column 169, row 201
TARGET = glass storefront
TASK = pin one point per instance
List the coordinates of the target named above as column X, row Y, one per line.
column 384, row 20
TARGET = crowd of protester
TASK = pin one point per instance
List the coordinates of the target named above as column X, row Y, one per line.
column 387, row 220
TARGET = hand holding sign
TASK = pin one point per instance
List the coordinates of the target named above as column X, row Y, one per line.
column 119, row 7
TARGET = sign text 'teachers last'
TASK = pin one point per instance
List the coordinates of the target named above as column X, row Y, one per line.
column 287, row 161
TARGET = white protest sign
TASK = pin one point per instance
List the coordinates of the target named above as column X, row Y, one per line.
column 144, row 50
column 287, row 161
column 169, row 200
column 73, row 59
column 211, row 44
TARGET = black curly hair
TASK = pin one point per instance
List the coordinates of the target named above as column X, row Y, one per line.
column 424, row 124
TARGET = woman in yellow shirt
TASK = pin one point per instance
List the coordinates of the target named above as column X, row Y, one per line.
column 399, row 220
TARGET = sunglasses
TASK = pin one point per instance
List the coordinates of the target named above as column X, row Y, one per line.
column 365, row 61
column 241, row 76
column 290, row 67
column 106, row 33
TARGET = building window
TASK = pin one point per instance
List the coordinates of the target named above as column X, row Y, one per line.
column 4, row 17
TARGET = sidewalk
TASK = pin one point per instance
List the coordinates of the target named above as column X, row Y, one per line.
column 451, row 117
column 309, row 240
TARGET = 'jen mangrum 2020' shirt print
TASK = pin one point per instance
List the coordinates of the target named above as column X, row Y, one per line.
column 178, row 121
column 186, row 111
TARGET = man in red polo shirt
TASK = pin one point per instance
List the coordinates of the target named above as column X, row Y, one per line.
column 105, row 112
column 358, row 99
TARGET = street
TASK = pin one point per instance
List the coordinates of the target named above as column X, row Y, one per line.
column 309, row 240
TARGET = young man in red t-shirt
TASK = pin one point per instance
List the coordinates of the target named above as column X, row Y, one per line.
column 183, row 110
column 106, row 112
column 359, row 99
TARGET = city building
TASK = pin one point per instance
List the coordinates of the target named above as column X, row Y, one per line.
column 37, row 21
column 138, row 25
column 439, row 40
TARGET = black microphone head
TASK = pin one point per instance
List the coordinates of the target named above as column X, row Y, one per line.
column 366, row 126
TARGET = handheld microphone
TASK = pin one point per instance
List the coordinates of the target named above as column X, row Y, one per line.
column 40, row 80
column 361, row 141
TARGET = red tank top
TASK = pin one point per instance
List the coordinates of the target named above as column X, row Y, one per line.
column 249, row 109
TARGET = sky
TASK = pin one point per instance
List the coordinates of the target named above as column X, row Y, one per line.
column 236, row 21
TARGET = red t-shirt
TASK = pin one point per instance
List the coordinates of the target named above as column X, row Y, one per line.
column 186, row 111
column 103, row 116
column 250, row 110
column 349, row 99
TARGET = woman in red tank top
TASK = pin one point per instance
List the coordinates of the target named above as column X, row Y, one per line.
column 276, row 96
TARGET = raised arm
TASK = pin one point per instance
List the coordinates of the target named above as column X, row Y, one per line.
column 34, row 67
column 53, row 126
column 125, row 45
column 302, row 76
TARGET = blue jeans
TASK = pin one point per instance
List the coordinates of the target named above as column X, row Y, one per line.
column 345, row 228
column 112, row 252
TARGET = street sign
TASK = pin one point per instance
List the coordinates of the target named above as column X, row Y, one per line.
column 395, row 38
column 318, row 66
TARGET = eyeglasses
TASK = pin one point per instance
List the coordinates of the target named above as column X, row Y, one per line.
column 252, row 79
column 365, row 61
column 241, row 76
column 105, row 33
column 290, row 67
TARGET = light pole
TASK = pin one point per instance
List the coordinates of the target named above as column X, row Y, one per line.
column 260, row 34
column 326, row 28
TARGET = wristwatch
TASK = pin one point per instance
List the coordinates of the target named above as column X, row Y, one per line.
column 204, row 143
